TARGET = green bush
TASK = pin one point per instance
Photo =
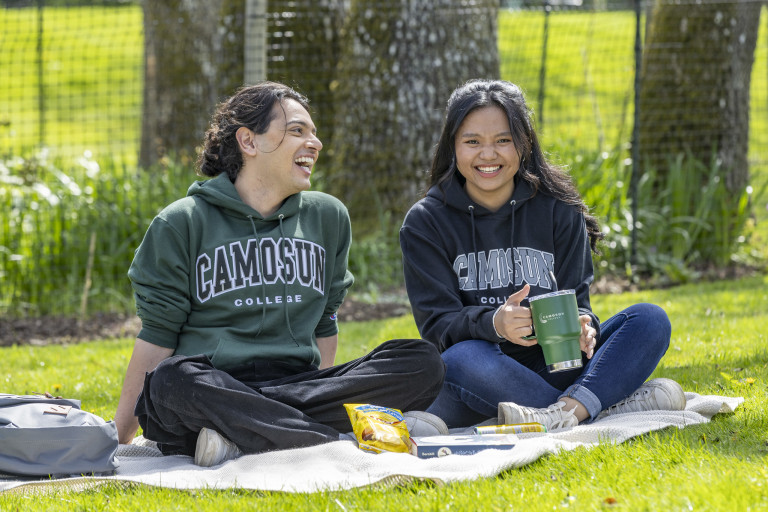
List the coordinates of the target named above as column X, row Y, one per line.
column 69, row 235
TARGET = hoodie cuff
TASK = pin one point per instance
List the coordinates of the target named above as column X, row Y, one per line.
column 493, row 324
column 158, row 336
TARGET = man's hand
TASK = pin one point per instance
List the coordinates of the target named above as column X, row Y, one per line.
column 145, row 358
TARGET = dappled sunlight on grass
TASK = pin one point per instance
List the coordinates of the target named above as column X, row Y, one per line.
column 718, row 321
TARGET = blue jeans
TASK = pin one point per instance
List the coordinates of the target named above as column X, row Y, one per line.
column 479, row 375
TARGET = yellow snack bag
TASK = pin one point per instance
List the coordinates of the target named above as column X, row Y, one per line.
column 379, row 429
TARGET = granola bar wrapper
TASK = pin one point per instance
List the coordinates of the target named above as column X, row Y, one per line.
column 379, row 429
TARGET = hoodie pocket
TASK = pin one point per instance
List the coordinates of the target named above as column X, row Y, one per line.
column 233, row 352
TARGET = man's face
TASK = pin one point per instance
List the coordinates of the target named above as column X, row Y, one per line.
column 288, row 150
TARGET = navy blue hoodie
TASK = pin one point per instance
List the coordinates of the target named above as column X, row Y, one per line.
column 462, row 261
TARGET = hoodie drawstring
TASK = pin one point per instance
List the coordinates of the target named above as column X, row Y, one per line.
column 512, row 245
column 261, row 272
column 471, row 209
column 285, row 287
column 474, row 242
column 264, row 288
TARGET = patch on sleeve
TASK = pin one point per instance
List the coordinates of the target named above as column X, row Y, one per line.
column 333, row 317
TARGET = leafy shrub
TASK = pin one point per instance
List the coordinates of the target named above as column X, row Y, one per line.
column 692, row 223
column 69, row 236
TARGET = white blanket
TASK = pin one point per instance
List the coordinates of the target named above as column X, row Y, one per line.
column 341, row 465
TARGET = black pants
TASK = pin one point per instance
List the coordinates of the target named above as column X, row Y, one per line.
column 264, row 406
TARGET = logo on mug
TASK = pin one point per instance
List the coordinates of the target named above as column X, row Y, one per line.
column 552, row 316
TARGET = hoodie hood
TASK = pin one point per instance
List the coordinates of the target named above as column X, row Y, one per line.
column 221, row 192
column 452, row 193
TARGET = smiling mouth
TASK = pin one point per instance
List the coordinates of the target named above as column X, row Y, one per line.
column 305, row 163
column 488, row 169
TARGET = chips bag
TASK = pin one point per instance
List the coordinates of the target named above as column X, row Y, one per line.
column 379, row 429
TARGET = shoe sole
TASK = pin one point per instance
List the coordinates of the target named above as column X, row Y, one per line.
column 203, row 439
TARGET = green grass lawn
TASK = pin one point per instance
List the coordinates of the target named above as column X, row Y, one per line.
column 91, row 81
column 589, row 79
column 589, row 73
column 720, row 333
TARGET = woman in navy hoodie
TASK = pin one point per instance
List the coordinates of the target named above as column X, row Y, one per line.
column 496, row 220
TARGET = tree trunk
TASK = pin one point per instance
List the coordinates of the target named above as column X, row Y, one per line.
column 695, row 86
column 398, row 66
column 193, row 59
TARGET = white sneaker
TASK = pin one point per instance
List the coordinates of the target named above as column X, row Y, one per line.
column 424, row 424
column 212, row 448
column 656, row 394
column 553, row 417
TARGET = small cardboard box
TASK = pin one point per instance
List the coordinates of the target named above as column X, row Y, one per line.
column 440, row 446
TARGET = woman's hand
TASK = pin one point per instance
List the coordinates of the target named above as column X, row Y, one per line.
column 513, row 321
column 587, row 339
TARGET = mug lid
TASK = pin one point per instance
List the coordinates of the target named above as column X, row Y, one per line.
column 551, row 294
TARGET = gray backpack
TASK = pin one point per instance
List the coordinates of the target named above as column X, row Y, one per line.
column 44, row 435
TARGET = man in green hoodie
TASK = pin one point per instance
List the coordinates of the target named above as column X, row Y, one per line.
column 237, row 287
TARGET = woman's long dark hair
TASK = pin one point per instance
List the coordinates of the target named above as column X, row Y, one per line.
column 534, row 167
column 251, row 107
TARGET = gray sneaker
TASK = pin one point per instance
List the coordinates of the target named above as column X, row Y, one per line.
column 553, row 417
column 655, row 395
column 424, row 424
column 212, row 448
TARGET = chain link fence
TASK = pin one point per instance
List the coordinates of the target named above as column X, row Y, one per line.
column 72, row 71
column 73, row 104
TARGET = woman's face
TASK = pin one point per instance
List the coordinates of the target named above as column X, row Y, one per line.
column 487, row 157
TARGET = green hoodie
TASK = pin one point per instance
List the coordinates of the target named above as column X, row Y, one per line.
column 212, row 276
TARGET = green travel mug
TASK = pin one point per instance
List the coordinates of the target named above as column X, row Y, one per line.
column 557, row 327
